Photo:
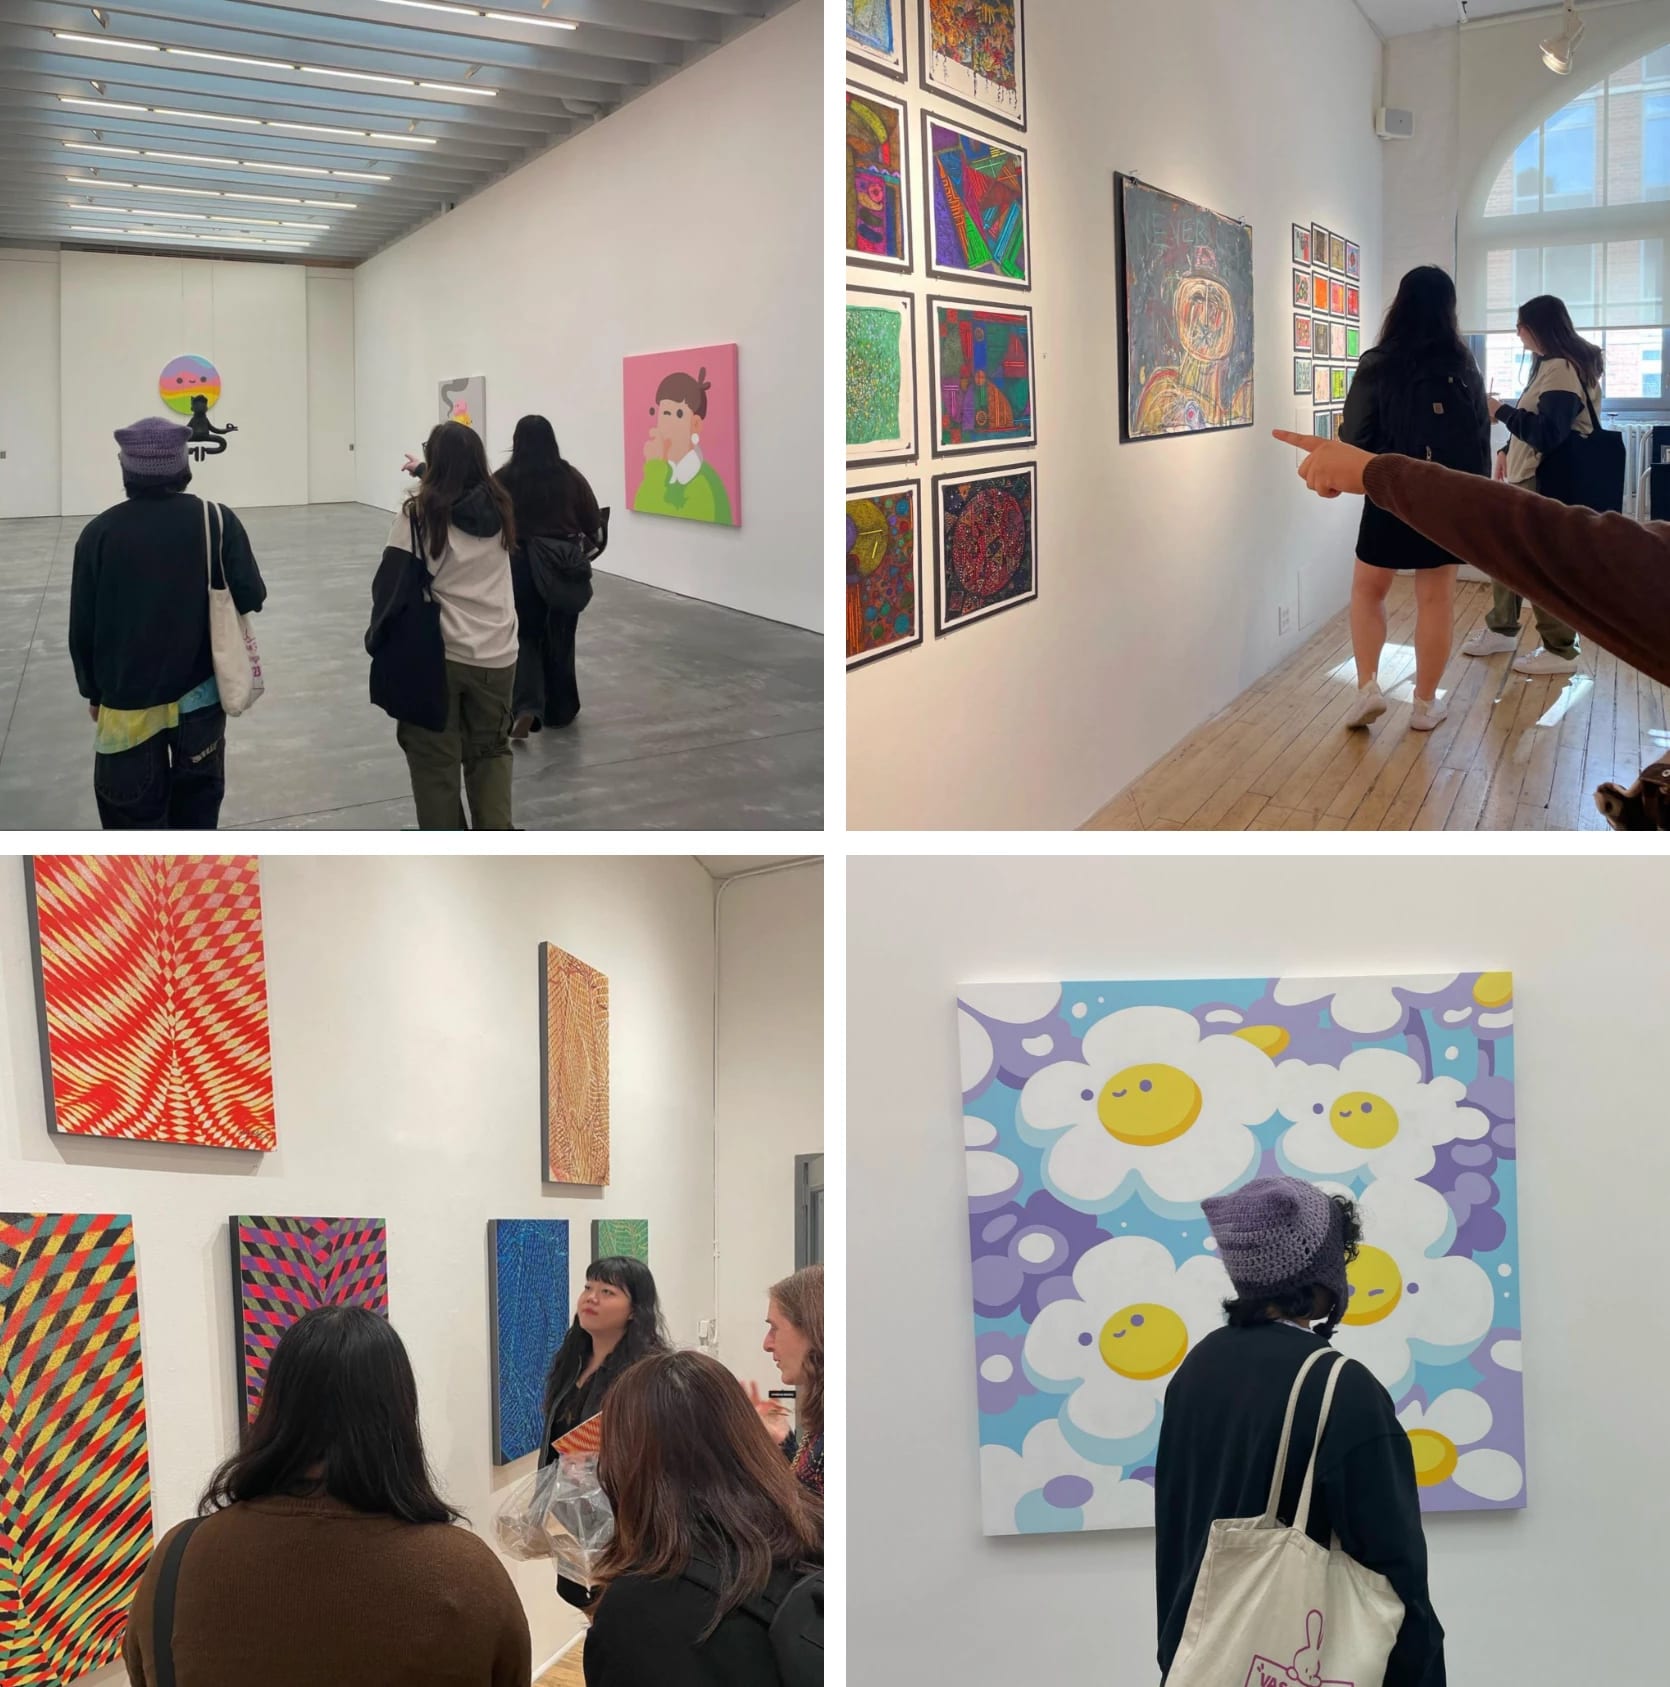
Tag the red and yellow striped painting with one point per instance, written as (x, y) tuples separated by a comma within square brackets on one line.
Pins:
[(153, 985)]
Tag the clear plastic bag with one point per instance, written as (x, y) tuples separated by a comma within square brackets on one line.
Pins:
[(560, 1513)]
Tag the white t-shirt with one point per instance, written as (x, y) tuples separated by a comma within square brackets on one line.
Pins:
[(471, 582)]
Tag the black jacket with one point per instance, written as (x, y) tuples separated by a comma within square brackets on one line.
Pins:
[(139, 600), (1223, 1418), (645, 1632)]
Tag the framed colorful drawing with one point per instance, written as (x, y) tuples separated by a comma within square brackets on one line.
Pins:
[(1186, 315), (876, 36), (1339, 424), (884, 570), (1350, 376), (1301, 245), (620, 1238), (1319, 293), (683, 434), (1321, 384), (1301, 289), (974, 52), (1301, 375), (1353, 342), (983, 387), (1318, 246), (986, 531), (878, 217), (881, 376), (1338, 339), (1336, 298), (1301, 333), (1353, 260), (573, 1069), (465, 400), (979, 217), (1353, 303), (1338, 376), (1336, 253), (1323, 425), (151, 979)]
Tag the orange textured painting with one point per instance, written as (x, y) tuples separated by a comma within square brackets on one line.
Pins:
[(152, 982), (574, 1005)]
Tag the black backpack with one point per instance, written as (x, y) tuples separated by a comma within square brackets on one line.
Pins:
[(1434, 416), (408, 656), (1586, 470), (791, 1610)]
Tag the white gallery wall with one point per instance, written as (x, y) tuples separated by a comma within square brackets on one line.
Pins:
[(29, 394), (1162, 565), (770, 937), (691, 217), (404, 1010), (1594, 1160)]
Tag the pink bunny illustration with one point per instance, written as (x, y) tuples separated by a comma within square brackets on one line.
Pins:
[(1307, 1661)]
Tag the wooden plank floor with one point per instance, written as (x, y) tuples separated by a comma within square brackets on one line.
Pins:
[(568, 1671), (1515, 754)]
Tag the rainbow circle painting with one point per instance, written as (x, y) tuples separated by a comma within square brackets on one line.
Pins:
[(185, 378)]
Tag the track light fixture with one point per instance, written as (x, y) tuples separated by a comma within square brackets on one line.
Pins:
[(1558, 51)]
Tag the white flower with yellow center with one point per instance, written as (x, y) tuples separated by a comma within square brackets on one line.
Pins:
[(1113, 1350), (1048, 1488), (1408, 1302), (1371, 1113), (1152, 1099), (1364, 1005), (1438, 1433)]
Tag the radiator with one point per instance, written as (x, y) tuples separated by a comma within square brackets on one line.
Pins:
[(1638, 448)]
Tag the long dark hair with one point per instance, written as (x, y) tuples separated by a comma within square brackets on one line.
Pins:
[(454, 465), (1421, 325), (645, 1332), (550, 495), (1548, 322), (800, 1299), (339, 1416), (691, 1471)]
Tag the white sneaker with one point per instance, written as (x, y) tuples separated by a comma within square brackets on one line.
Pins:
[(1370, 705), (1427, 713), (1542, 661), (1487, 643)]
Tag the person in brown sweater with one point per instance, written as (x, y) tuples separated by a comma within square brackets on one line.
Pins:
[(1606, 575), (323, 1553)]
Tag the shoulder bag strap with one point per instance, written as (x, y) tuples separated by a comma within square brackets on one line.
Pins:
[(168, 1586), (208, 545), (1301, 1517), (1287, 1434)]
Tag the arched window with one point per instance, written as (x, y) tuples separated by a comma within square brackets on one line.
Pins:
[(1581, 208)]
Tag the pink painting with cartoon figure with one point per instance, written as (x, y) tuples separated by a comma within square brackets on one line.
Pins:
[(682, 435)]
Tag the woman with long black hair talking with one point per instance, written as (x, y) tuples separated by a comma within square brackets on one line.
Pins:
[(559, 529), (322, 1551)]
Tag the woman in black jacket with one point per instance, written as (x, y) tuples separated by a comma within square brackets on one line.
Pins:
[(552, 501), (712, 1532), (1418, 393)]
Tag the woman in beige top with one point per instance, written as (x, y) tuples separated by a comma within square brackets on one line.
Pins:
[(1565, 383)]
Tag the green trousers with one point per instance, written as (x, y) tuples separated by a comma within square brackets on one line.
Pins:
[(475, 743), (1503, 617)]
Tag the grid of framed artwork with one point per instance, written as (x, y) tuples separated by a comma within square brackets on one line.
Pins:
[(947, 374), (1327, 322)]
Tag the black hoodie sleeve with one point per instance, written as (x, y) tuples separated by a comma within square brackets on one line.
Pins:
[(243, 577), (1549, 426), (84, 591)]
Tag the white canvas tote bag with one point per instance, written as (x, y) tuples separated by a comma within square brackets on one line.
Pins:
[(1271, 1608), (232, 644)]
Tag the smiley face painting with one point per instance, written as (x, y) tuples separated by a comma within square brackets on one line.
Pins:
[(1097, 1117), (683, 450)]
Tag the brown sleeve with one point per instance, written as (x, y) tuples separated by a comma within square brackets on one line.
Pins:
[(1605, 575), (513, 1654), (139, 1620)]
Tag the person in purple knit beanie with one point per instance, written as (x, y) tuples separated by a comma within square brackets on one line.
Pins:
[(1287, 1247)]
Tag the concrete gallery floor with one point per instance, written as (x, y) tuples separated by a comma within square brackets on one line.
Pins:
[(692, 716)]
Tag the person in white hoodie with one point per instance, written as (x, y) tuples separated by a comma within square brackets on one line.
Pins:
[(460, 519)]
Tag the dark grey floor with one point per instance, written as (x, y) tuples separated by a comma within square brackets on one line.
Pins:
[(693, 717)]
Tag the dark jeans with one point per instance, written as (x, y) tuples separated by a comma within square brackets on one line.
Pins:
[(545, 684), (174, 781)]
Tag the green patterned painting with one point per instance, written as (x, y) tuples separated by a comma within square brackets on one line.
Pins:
[(874, 375), (620, 1237)]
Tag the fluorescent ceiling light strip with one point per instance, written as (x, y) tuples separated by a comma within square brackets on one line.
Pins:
[(202, 116), (361, 176), (98, 105), (325, 204), (90, 146), (356, 75), (524, 17), (436, 6), (459, 88), (191, 158), (244, 222), (262, 198), (106, 41), (287, 169), (134, 211), (95, 181), (323, 228), (317, 129), (194, 192), (403, 140), (259, 123), (229, 58)]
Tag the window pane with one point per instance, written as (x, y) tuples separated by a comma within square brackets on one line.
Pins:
[(1527, 173), (1634, 283), (1569, 146), (1572, 273), (1634, 362)]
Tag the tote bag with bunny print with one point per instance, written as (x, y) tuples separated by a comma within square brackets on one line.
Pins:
[(1272, 1608)]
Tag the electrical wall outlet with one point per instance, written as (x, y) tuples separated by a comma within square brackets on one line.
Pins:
[(708, 1333)]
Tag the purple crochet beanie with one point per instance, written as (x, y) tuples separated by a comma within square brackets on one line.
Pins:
[(1278, 1234), (153, 449)]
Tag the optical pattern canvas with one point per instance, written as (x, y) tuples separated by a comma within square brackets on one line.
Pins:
[(529, 1316), (876, 35), (151, 974), (884, 571), (978, 217), (1188, 315), (983, 382), (75, 1487), (878, 218), (574, 1068), (1098, 1116), (987, 544), (283, 1267), (974, 52), (683, 438), (626, 1238), (881, 375)]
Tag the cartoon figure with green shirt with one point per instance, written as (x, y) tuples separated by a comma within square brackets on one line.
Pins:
[(676, 479)]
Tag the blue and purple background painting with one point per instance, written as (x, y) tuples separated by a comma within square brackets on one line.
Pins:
[(528, 1261), (1097, 1117)]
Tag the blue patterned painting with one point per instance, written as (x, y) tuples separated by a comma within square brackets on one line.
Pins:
[(529, 1317), (1098, 1117)]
